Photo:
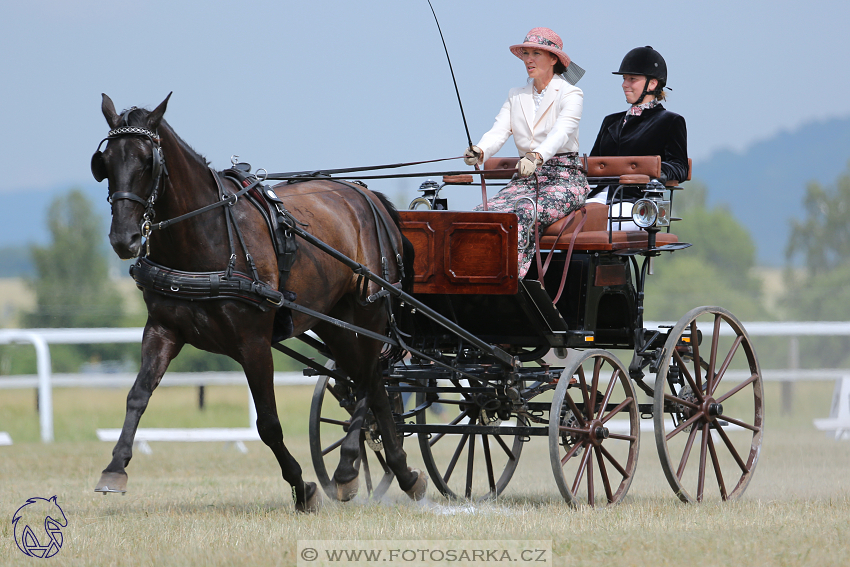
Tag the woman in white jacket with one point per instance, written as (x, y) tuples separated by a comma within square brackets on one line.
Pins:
[(543, 117)]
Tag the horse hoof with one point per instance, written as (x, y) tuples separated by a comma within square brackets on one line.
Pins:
[(348, 490), (112, 482), (417, 491), (313, 503)]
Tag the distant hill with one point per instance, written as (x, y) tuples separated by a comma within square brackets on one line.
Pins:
[(764, 186)]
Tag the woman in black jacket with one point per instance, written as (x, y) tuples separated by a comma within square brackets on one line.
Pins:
[(645, 129)]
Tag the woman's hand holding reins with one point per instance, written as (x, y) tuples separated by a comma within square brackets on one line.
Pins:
[(529, 163), (472, 155)]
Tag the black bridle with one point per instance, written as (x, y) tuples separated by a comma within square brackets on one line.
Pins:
[(158, 168)]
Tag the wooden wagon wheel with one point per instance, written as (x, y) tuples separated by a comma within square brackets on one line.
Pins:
[(466, 465), (594, 429), (698, 407), (328, 427)]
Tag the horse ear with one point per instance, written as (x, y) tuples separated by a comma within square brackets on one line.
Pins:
[(155, 117), (108, 109)]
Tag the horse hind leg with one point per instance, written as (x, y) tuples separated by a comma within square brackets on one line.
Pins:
[(412, 481), (159, 347), (346, 476)]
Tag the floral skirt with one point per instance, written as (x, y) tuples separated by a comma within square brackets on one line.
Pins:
[(560, 189)]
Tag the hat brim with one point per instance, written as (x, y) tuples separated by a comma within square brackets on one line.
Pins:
[(562, 57)]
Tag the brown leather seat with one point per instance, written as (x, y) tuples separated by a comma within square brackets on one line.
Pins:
[(597, 240)]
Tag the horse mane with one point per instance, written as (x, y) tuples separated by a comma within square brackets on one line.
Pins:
[(138, 117)]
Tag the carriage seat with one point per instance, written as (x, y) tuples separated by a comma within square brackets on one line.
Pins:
[(623, 170)]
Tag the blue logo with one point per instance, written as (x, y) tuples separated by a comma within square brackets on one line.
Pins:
[(38, 527)]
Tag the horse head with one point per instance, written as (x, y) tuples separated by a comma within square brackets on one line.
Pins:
[(134, 165)]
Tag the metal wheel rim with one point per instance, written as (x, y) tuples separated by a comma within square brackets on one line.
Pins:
[(608, 452), (714, 442)]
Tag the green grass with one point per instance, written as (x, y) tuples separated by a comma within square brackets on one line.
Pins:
[(206, 504)]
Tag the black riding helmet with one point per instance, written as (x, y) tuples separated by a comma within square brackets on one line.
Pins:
[(647, 62)]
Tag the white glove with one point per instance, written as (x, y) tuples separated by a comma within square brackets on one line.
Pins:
[(472, 155), (528, 164)]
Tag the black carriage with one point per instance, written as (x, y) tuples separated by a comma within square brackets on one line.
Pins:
[(482, 363)]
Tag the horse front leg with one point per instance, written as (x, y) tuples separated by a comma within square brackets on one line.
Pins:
[(159, 347), (259, 370)]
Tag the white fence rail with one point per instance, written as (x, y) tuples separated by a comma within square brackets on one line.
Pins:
[(45, 380)]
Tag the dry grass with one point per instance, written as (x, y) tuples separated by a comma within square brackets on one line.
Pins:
[(203, 504)]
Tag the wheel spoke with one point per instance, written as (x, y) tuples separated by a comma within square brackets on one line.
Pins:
[(695, 347), (731, 447), (585, 397), (581, 467), (686, 453), (684, 369), (455, 421), (574, 408), (620, 407), (683, 425), (621, 437), (332, 446), (383, 463), (505, 448), (685, 403), (613, 461), (726, 362), (332, 389), (365, 462), (701, 475), (590, 494), (469, 469), (737, 388), (489, 462), (716, 462), (608, 391), (712, 357), (739, 423), (594, 387), (343, 424), (450, 469), (571, 452), (603, 472)]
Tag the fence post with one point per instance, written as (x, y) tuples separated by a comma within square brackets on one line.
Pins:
[(788, 385)]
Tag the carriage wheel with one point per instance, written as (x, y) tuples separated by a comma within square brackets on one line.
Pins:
[(454, 460), (594, 429), (701, 407), (328, 427)]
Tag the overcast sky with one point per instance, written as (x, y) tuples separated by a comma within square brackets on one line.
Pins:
[(328, 83)]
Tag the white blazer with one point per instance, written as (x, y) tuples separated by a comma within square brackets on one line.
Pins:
[(553, 130)]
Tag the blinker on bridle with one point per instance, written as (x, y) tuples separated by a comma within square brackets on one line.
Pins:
[(98, 167)]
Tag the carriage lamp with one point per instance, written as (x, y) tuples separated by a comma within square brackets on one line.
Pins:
[(430, 198), (652, 209)]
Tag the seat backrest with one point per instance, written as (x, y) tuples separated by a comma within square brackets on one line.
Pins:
[(615, 166)]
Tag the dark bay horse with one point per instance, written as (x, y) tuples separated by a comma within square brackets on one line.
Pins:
[(153, 173)]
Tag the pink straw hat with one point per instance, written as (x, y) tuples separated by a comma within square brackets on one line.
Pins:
[(545, 39)]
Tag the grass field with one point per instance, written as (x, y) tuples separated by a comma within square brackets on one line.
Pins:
[(207, 504)]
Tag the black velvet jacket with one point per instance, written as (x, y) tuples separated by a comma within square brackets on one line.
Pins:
[(656, 132)]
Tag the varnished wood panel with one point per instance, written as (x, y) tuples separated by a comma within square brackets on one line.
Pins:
[(462, 252)]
